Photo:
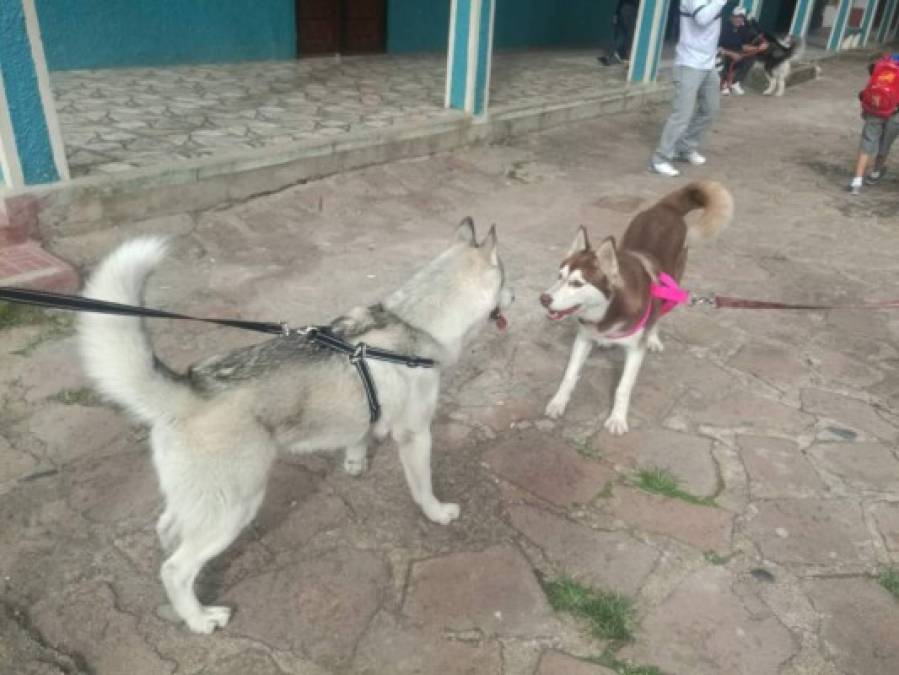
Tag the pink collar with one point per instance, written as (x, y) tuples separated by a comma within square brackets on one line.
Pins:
[(666, 290)]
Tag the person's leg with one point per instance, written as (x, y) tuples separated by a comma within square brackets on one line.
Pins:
[(872, 134), (616, 46), (708, 102), (890, 132), (727, 74), (742, 68), (686, 86), (861, 163), (620, 41), (628, 21)]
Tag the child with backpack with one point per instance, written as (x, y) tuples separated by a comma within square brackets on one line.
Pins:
[(880, 103)]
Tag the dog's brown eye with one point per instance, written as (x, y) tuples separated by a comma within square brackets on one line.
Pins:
[(576, 284)]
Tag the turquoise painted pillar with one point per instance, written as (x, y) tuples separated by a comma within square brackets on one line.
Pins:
[(868, 21), (469, 55), (886, 20), (31, 147), (649, 34), (801, 17), (753, 7), (840, 23)]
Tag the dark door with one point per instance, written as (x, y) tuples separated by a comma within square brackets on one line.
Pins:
[(341, 26), (363, 26), (318, 26)]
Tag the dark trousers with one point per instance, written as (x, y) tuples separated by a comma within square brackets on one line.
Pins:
[(624, 30)]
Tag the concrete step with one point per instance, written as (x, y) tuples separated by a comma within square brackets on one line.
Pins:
[(14, 226), (799, 73), (27, 265)]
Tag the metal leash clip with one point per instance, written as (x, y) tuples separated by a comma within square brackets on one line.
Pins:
[(305, 331), (359, 353), (702, 300)]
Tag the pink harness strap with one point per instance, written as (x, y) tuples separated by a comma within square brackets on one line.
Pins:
[(665, 290)]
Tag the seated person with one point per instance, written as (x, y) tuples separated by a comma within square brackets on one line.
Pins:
[(739, 44)]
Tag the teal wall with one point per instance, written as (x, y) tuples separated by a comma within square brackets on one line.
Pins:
[(417, 25), (108, 33), (550, 23), (422, 25)]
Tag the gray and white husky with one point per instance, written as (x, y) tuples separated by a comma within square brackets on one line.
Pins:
[(216, 428)]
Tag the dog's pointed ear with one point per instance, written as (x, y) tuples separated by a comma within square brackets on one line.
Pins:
[(465, 231), (608, 261), (488, 246), (581, 241)]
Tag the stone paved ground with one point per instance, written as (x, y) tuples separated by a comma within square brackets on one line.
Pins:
[(789, 421), (116, 120)]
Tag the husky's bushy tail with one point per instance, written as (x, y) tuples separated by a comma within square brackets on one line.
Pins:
[(797, 51), (793, 45), (115, 350), (716, 203)]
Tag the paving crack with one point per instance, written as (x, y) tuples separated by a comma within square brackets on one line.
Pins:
[(68, 662)]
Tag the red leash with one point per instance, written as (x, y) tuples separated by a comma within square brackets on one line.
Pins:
[(726, 302)]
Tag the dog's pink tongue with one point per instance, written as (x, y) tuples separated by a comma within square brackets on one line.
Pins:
[(501, 322)]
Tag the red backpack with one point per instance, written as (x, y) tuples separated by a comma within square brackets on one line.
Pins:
[(881, 97)]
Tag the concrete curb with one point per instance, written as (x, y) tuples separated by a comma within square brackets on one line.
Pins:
[(94, 203)]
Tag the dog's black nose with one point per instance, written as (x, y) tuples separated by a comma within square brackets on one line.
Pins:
[(546, 299)]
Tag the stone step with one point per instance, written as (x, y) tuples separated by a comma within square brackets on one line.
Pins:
[(27, 265), (799, 73)]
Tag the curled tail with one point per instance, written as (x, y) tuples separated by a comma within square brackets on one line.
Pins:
[(115, 350), (716, 203)]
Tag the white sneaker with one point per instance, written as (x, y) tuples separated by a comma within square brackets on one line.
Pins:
[(663, 168), (725, 91), (737, 89), (692, 157)]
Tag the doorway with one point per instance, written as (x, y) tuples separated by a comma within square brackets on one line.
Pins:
[(341, 26)]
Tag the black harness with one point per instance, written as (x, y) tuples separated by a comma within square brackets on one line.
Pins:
[(320, 335)]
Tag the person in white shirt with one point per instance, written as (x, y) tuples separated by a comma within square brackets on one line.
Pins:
[(696, 86)]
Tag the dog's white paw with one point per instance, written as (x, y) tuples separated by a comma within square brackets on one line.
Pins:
[(443, 514), (654, 344), (556, 407), (208, 619), (616, 424), (354, 466)]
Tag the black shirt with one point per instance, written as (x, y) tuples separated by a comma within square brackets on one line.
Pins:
[(733, 38)]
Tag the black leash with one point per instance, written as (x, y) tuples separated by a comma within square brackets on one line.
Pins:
[(320, 335), (77, 303)]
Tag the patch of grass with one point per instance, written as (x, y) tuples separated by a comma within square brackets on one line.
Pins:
[(608, 660), (585, 449), (84, 396), (13, 314), (663, 482), (606, 491), (53, 327), (716, 558), (610, 615), (889, 579)]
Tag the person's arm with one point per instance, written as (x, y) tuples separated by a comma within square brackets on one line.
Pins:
[(704, 12), (753, 50)]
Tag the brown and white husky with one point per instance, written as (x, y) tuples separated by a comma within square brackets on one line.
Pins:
[(608, 289)]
